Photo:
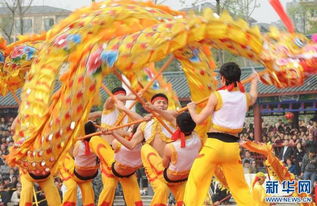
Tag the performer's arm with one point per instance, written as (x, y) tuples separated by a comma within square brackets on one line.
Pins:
[(253, 89), (206, 112), (127, 97), (167, 156), (123, 133), (131, 114), (115, 144), (110, 102), (168, 115), (136, 139), (94, 115), (75, 149)]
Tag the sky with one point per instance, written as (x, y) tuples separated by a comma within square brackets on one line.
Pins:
[(263, 14)]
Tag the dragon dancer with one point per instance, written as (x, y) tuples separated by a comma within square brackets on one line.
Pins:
[(46, 183), (119, 166), (125, 163), (80, 171), (180, 154), (227, 108)]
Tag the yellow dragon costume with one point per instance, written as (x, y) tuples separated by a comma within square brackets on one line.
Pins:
[(127, 36)]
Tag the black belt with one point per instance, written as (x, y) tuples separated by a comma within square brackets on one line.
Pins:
[(119, 175), (172, 181), (85, 178), (39, 177), (223, 137)]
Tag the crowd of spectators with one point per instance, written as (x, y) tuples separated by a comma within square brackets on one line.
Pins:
[(295, 146), (292, 144), (9, 177)]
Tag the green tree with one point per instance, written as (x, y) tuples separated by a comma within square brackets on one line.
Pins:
[(304, 16)]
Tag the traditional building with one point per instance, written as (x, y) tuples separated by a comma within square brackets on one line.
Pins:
[(35, 19)]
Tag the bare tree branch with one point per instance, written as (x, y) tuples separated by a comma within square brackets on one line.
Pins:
[(254, 7), (26, 8), (17, 9)]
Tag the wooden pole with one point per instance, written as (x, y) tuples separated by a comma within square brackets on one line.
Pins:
[(16, 98), (108, 91), (147, 86), (166, 64), (35, 197), (113, 128), (143, 102), (224, 199)]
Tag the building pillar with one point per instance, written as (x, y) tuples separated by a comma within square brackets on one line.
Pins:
[(257, 122)]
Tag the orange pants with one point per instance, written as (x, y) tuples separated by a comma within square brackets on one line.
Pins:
[(47, 185), (71, 181), (216, 153), (152, 163), (70, 196)]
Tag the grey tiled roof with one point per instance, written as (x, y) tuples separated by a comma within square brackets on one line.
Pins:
[(9, 99), (37, 10), (179, 82)]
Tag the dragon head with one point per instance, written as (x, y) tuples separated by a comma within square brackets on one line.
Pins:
[(289, 57), (16, 60)]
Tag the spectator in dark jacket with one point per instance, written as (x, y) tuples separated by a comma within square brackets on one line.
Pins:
[(310, 143), (286, 151), (309, 165), (291, 166), (5, 196)]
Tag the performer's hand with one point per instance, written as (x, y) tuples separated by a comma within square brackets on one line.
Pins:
[(255, 77), (120, 105), (106, 132), (216, 203), (140, 93), (148, 117), (131, 96), (191, 106), (149, 107)]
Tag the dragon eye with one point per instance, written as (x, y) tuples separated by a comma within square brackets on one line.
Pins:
[(299, 42)]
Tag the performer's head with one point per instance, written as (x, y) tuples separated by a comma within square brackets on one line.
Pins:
[(119, 91), (311, 152), (160, 100), (230, 73), (185, 123), (135, 128), (89, 129)]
